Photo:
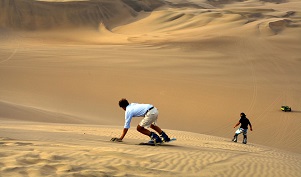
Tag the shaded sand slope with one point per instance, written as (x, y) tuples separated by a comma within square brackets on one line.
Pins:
[(201, 67), (46, 15), (69, 150)]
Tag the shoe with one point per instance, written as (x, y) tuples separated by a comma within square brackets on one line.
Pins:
[(155, 138), (164, 137)]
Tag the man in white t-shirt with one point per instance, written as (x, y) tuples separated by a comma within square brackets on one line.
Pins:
[(150, 114)]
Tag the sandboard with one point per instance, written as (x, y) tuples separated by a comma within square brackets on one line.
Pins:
[(157, 144)]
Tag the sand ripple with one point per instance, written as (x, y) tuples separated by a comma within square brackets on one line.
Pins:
[(76, 154)]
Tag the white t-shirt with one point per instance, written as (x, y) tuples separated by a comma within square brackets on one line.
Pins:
[(135, 110)]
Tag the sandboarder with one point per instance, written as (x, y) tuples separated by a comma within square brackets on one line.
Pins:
[(150, 114), (244, 121)]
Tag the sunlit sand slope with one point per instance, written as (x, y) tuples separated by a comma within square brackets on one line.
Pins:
[(69, 150)]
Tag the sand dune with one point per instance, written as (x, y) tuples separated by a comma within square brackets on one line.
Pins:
[(49, 15), (64, 65), (69, 150)]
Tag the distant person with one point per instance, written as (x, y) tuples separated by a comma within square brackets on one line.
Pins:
[(150, 114), (244, 121)]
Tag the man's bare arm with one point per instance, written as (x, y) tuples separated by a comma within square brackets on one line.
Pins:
[(125, 130), (236, 124)]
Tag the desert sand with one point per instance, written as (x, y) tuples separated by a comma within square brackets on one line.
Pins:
[(65, 64)]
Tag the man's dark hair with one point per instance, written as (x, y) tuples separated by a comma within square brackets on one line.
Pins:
[(123, 103)]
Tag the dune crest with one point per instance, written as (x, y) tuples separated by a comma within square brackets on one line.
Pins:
[(48, 15)]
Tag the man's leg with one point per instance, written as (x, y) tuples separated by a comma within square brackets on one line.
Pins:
[(238, 131), (143, 130), (152, 135), (235, 138), (245, 137), (162, 134), (149, 121), (156, 128)]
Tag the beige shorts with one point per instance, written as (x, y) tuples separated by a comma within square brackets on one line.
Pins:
[(150, 118)]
